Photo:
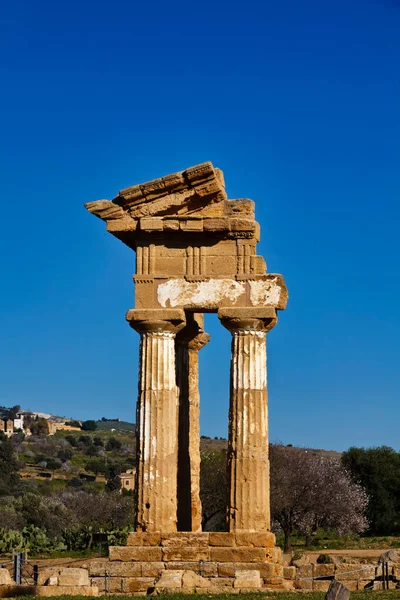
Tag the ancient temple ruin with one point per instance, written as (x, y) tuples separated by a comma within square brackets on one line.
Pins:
[(196, 253)]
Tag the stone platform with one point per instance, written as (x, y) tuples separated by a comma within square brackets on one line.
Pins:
[(207, 562)]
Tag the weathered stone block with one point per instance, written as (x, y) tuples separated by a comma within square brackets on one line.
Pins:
[(247, 579), (5, 577), (138, 553), (220, 265), (245, 554), (99, 582), (114, 569), (185, 554), (191, 225), (305, 571), (181, 565), (347, 572), (63, 590), (170, 579), (223, 538), (171, 225), (168, 267), (226, 582), (258, 265), (321, 585), (242, 225), (184, 539), (73, 576), (289, 572), (137, 584), (323, 570), (269, 581), (191, 580), (44, 574), (216, 224), (303, 584), (274, 555), (151, 224), (226, 569), (143, 538), (255, 539), (152, 569), (208, 569)]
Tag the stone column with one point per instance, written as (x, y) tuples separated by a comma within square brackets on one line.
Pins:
[(157, 419), (189, 342), (248, 464)]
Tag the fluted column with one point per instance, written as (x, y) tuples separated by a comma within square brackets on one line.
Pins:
[(189, 342), (156, 420), (248, 464)]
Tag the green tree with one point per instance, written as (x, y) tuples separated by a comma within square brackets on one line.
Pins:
[(378, 471), (113, 479), (40, 427), (12, 412), (9, 475), (89, 425), (96, 466), (113, 444), (213, 489)]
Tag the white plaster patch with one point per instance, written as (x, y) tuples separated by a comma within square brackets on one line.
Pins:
[(208, 294), (265, 293)]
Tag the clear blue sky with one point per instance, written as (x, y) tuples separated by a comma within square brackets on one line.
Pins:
[(298, 102)]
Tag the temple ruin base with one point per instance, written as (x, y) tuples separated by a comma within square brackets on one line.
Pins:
[(211, 562)]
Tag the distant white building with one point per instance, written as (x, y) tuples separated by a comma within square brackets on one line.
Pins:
[(19, 422)]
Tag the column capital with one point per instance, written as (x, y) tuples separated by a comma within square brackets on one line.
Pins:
[(156, 320), (193, 333), (248, 319)]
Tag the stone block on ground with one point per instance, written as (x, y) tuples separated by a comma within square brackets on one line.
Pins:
[(45, 573), (5, 577), (389, 556), (247, 579), (73, 576), (170, 579), (289, 572), (137, 584), (324, 570), (190, 580), (303, 584), (65, 590), (300, 561), (337, 591), (321, 585), (305, 571), (226, 582)]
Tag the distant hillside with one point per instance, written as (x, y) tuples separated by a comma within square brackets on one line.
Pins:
[(115, 426)]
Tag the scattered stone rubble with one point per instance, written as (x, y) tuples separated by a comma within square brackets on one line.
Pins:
[(52, 581)]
